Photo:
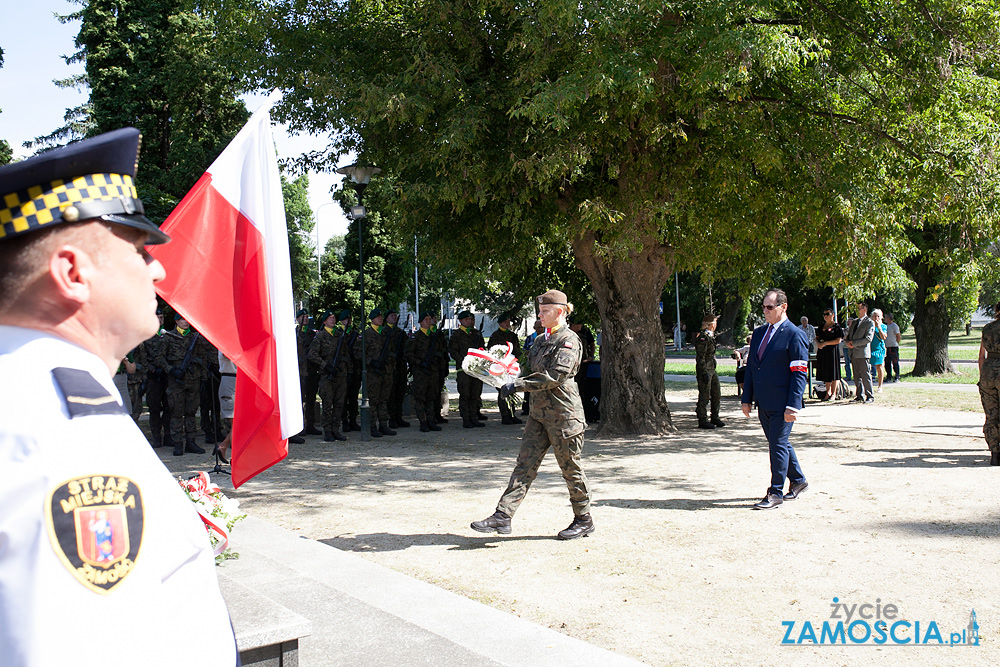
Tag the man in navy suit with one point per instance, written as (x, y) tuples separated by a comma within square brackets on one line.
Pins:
[(776, 379)]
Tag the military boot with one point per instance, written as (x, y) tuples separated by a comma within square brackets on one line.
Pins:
[(582, 526), (424, 428), (311, 429), (385, 430), (393, 423), (441, 420), (402, 423), (191, 448), (178, 449), (498, 522), (432, 426), (467, 423), (477, 423), (375, 433), (355, 426)]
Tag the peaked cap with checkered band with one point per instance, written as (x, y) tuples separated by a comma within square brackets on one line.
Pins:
[(87, 180)]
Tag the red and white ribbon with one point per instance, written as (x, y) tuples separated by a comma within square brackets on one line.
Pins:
[(505, 365), (201, 488)]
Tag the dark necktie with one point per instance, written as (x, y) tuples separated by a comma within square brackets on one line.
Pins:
[(763, 343)]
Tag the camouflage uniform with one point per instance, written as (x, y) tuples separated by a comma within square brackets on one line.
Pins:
[(556, 420), (183, 386), (137, 380), (397, 388), (156, 392), (989, 385), (333, 378), (444, 367), (211, 421), (380, 363), (470, 390), (309, 375), (420, 353), (708, 379), (500, 337), (349, 415)]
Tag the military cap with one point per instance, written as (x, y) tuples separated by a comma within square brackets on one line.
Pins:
[(465, 313), (325, 316), (390, 311), (375, 313), (553, 296), (89, 179), (428, 313), (345, 314), (503, 317), (302, 311)]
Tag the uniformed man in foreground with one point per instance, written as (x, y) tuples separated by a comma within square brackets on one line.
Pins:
[(556, 421), (90, 521)]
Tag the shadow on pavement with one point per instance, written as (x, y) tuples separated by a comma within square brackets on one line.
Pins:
[(926, 458), (379, 542), (691, 504)]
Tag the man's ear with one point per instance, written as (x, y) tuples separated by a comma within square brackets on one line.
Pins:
[(70, 268)]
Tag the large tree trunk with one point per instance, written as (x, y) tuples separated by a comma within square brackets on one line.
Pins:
[(727, 320), (632, 353), (931, 322)]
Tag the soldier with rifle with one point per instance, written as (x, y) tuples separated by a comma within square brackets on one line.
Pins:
[(470, 390), (397, 391), (349, 415), (329, 352), (420, 353), (380, 368), (181, 355)]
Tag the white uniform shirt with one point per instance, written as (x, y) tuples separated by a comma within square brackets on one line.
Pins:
[(99, 546)]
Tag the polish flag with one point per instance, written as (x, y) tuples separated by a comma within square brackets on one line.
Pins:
[(228, 273)]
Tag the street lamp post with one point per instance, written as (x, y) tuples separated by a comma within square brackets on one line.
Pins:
[(360, 175)]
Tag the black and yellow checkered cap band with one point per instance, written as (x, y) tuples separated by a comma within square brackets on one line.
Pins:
[(58, 201)]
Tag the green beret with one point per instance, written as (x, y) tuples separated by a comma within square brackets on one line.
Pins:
[(375, 313), (465, 313), (345, 314)]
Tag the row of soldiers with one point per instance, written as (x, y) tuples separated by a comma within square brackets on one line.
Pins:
[(178, 372), (330, 365)]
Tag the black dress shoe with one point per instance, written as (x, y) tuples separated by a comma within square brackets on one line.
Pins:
[(582, 526), (296, 439), (995, 458), (718, 422), (707, 425), (771, 500), (482, 417), (796, 489), (498, 522), (216, 453), (191, 448)]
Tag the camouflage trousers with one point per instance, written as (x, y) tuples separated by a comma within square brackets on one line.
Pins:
[(426, 394), (397, 391), (567, 445), (135, 392), (332, 393), (350, 412), (708, 391), (470, 396), (379, 387), (989, 392), (184, 397)]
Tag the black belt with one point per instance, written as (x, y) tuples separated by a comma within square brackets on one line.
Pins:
[(228, 375)]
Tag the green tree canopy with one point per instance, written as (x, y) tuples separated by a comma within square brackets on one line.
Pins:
[(647, 136)]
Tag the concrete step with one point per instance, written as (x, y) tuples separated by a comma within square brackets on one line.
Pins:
[(361, 613)]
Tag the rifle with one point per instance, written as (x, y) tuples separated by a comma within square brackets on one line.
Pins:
[(336, 357), (430, 348), (186, 362), (380, 363)]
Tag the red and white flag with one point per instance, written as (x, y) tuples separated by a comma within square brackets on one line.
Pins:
[(229, 274)]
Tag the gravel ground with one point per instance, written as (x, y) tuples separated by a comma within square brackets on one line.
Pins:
[(680, 571)]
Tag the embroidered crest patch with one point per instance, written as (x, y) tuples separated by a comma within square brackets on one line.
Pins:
[(95, 525)]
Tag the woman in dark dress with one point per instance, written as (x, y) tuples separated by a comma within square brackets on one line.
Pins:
[(828, 354)]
